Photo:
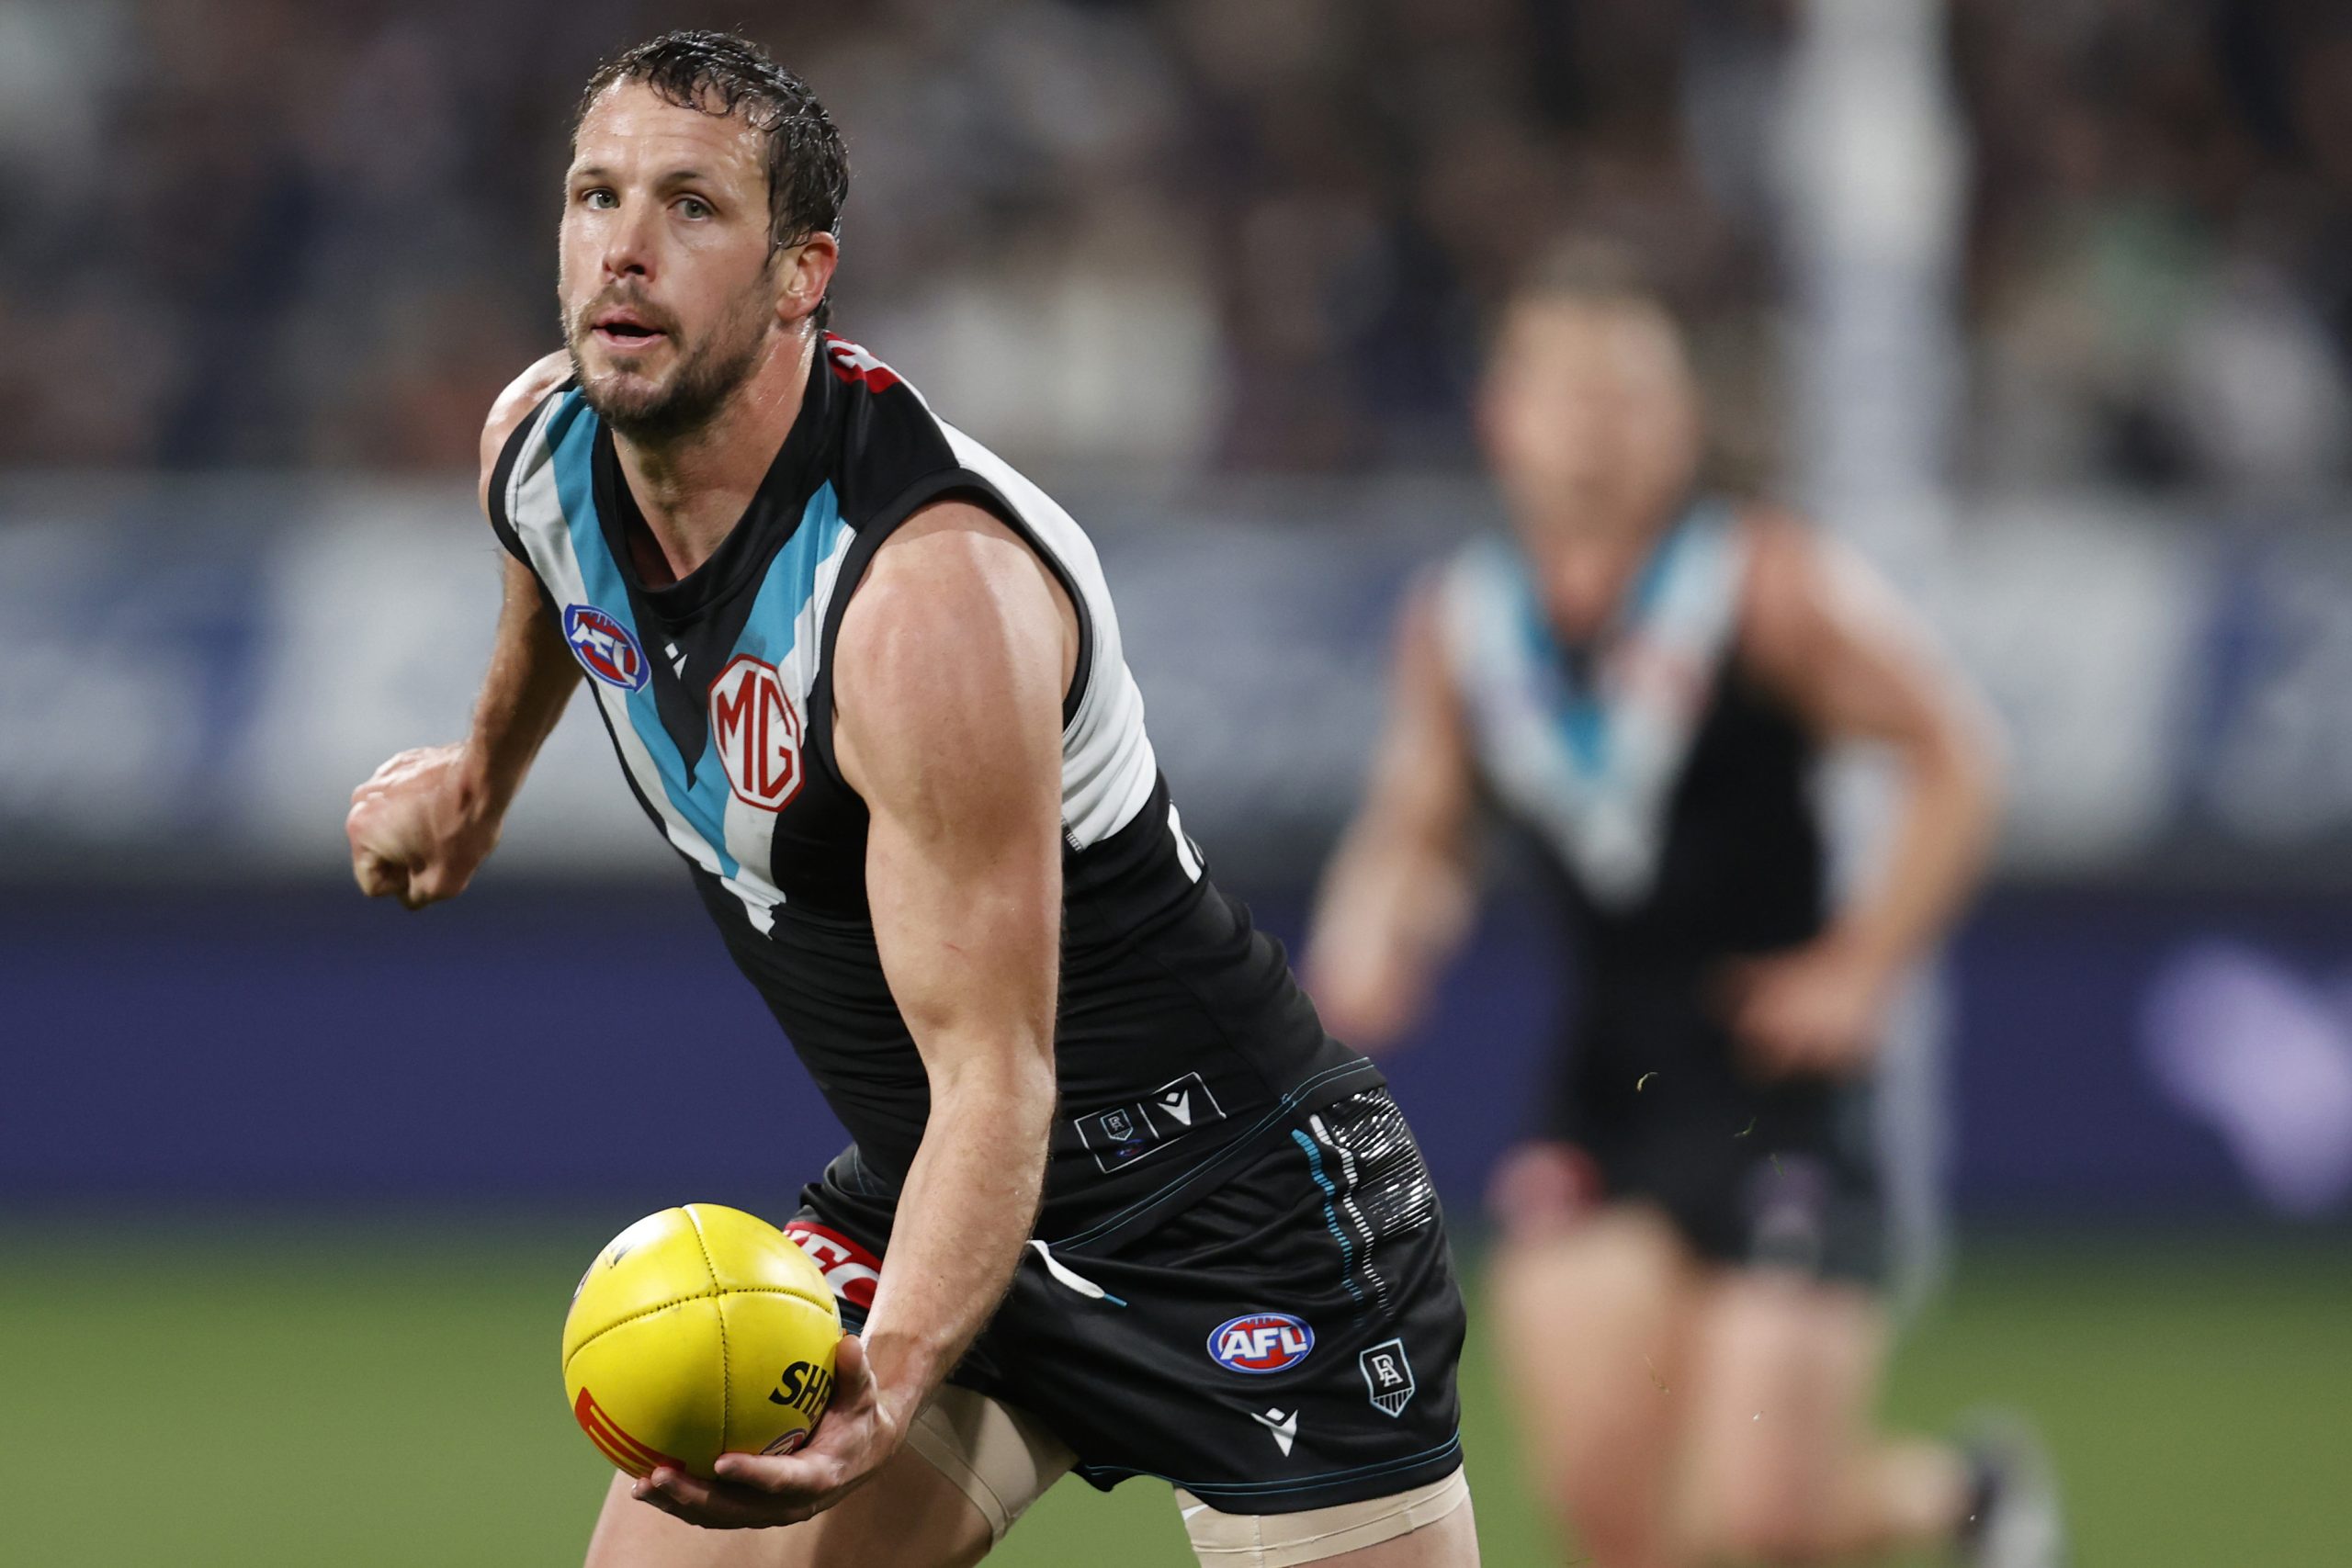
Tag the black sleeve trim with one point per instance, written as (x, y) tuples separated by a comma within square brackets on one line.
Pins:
[(502, 474), (943, 485)]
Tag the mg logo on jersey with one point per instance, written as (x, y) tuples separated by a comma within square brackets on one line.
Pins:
[(603, 647), (757, 732), (1262, 1342)]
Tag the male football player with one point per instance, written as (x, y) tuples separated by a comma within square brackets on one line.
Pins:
[(1641, 679), (1117, 1202)]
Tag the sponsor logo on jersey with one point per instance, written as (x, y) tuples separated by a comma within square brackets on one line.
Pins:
[(852, 364), (850, 1271), (757, 731), (1262, 1342), (1125, 1134), (605, 647), (1387, 1377)]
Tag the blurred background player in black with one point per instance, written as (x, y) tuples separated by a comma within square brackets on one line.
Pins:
[(1641, 682)]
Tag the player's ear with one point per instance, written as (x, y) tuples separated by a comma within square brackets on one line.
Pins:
[(803, 273)]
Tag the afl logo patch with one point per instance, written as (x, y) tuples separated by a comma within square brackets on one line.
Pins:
[(605, 647), (757, 731), (1262, 1342)]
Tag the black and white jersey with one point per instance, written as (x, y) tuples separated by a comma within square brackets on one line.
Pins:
[(1672, 796), (1180, 1027)]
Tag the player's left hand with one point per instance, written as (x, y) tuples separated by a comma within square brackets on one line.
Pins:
[(1820, 1009), (758, 1491)]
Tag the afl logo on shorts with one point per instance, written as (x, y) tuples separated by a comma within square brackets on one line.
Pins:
[(1262, 1342), (757, 732), (603, 647)]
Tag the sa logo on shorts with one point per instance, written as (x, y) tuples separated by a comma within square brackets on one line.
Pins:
[(757, 731), (605, 647), (1262, 1342)]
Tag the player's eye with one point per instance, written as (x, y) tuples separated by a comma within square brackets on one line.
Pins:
[(694, 207), (599, 199)]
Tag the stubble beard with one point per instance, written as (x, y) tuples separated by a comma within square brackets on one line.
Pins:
[(653, 412)]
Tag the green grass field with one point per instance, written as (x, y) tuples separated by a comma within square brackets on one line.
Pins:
[(257, 1396)]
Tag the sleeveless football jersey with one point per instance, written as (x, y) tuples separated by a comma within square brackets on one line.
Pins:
[(1672, 797), (1180, 1034)]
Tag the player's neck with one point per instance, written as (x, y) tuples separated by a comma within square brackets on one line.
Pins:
[(692, 491), (1588, 567)]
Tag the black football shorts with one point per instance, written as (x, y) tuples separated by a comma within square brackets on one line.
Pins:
[(1285, 1341)]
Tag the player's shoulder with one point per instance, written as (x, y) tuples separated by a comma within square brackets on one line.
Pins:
[(1804, 592), (514, 406), (1451, 604), (953, 567), (890, 449), (1785, 565)]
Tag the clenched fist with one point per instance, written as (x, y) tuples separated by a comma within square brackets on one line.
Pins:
[(419, 827), (1820, 1009)]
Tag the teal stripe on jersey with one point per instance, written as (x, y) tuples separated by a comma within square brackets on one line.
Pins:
[(771, 631), (571, 440)]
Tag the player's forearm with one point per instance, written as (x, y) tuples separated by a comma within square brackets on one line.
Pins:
[(1393, 910), (530, 679), (967, 1209), (1942, 839)]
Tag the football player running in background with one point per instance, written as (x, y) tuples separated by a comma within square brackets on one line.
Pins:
[(1642, 680)]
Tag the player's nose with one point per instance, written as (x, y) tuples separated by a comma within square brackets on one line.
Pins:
[(629, 243)]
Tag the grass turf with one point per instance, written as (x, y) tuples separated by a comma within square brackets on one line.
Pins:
[(388, 1395)]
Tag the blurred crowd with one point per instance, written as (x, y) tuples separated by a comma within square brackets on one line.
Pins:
[(1227, 234)]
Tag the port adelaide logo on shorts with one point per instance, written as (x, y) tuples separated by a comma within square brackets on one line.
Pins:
[(1262, 1342), (1388, 1376), (605, 647)]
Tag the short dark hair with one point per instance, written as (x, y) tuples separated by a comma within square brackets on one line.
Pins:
[(725, 73), (1590, 270)]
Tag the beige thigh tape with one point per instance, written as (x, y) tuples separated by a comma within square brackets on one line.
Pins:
[(1281, 1540), (999, 1457)]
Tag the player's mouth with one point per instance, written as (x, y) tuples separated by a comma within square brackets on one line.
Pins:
[(626, 331)]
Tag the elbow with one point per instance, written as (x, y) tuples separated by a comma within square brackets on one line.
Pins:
[(1006, 1097), (1964, 750), (1979, 760)]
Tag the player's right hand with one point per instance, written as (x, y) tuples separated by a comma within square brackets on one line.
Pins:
[(416, 830), (853, 1439)]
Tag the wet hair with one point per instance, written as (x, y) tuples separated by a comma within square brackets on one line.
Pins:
[(722, 75)]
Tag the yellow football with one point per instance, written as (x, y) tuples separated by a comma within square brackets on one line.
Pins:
[(696, 1332)]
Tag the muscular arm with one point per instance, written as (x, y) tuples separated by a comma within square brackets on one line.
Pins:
[(1857, 664), (949, 672), (425, 820), (1397, 896)]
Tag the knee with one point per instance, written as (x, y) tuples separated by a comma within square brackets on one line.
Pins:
[(1764, 1519), (1615, 1517)]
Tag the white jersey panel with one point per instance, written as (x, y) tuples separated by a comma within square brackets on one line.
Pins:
[(1108, 767)]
